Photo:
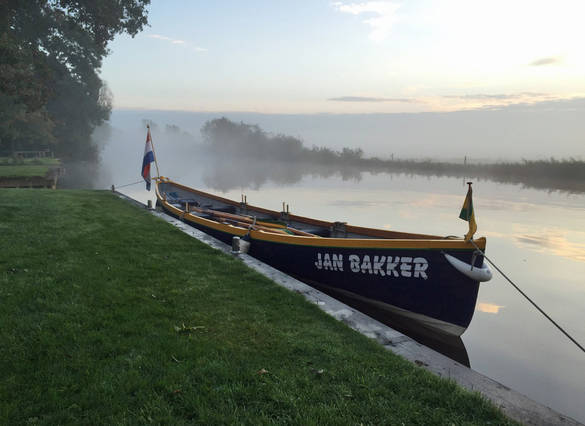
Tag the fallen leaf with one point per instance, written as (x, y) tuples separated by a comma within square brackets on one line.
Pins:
[(185, 329), (263, 371)]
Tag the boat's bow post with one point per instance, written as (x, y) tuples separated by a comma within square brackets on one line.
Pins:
[(474, 257), (482, 273)]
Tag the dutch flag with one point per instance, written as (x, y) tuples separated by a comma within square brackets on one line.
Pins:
[(148, 158)]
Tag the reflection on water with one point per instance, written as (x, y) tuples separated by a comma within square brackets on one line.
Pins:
[(489, 308), (536, 237), (221, 175), (224, 174), (556, 242), (353, 203)]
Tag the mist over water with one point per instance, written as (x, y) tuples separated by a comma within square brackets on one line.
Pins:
[(232, 154), (223, 162), (529, 131)]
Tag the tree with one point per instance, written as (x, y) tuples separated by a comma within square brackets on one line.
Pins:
[(23, 96), (50, 55)]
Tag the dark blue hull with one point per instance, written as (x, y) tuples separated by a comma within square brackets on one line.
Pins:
[(417, 283)]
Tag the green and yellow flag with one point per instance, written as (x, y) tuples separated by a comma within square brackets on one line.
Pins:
[(468, 215)]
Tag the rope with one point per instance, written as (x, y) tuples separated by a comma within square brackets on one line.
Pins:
[(528, 298), (128, 184)]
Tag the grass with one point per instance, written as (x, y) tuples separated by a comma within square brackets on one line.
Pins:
[(30, 167), (111, 316), (23, 171)]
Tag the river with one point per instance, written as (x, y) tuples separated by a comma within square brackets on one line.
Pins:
[(536, 237)]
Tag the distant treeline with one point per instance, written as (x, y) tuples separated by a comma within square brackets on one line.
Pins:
[(226, 138), (566, 175)]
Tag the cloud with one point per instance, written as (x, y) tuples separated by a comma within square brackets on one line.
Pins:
[(491, 101), (369, 99), (159, 37), (384, 15), (497, 97), (554, 241), (545, 61), (177, 42)]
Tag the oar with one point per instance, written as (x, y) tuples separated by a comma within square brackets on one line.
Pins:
[(247, 221), (262, 228), (276, 230)]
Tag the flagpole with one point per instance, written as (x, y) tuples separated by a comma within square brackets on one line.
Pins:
[(153, 152), (467, 214)]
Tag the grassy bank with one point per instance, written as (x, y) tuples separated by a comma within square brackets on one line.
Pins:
[(10, 167), (111, 316)]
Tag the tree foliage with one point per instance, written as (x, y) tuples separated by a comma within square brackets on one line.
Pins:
[(226, 138), (51, 51)]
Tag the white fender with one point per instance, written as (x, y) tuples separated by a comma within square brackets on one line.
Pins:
[(480, 274)]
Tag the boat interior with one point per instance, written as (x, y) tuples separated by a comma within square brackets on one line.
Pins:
[(241, 214)]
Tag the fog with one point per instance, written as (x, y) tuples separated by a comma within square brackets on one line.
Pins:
[(284, 148), (232, 155), (541, 130)]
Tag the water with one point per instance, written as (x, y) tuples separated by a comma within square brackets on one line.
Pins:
[(536, 237)]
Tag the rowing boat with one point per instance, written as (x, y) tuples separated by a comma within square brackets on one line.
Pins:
[(430, 280)]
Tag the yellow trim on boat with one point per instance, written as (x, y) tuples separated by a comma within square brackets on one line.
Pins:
[(366, 242), (451, 244)]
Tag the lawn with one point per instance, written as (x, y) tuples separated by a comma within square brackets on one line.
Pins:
[(10, 167), (111, 316)]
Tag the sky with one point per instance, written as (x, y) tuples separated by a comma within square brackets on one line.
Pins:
[(321, 56)]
